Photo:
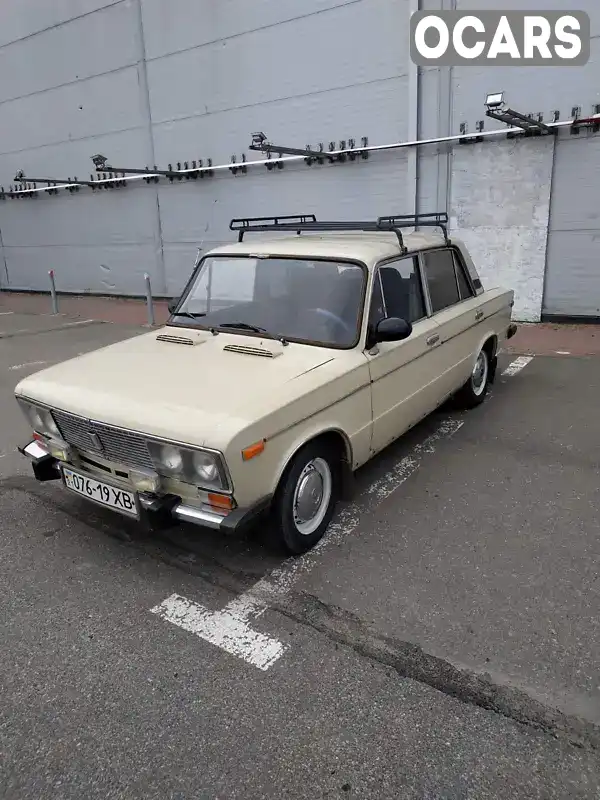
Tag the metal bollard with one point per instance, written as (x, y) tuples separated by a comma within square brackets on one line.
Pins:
[(53, 292), (149, 303)]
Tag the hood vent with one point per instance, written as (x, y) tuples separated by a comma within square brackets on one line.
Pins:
[(168, 337), (251, 351)]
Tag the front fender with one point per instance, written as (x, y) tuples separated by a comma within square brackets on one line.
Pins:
[(350, 418), (308, 436)]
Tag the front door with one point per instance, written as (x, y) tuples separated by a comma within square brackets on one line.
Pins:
[(404, 375)]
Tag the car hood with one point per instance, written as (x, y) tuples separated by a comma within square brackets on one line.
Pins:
[(179, 383)]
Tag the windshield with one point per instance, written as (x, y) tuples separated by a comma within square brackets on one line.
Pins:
[(317, 301)]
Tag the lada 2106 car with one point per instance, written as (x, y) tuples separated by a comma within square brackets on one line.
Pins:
[(292, 357)]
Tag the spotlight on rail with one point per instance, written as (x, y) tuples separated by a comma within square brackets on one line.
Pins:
[(495, 100), (99, 161), (258, 139)]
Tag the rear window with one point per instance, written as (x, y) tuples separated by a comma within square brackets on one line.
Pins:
[(441, 279), (461, 276)]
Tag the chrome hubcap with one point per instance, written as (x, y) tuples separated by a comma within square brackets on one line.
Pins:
[(480, 373), (312, 496)]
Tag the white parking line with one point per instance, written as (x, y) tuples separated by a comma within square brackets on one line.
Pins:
[(62, 327), (282, 579), (28, 364), (6, 313), (517, 365), (230, 628)]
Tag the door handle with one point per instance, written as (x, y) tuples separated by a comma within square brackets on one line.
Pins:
[(479, 314), (433, 340)]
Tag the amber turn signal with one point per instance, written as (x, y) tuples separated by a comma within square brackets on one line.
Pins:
[(220, 500), (254, 450)]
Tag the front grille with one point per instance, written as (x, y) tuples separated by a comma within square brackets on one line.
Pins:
[(114, 444)]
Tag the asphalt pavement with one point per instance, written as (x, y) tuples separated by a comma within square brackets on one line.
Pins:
[(442, 641)]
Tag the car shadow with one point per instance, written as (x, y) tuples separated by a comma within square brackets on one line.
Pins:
[(243, 560), (233, 562)]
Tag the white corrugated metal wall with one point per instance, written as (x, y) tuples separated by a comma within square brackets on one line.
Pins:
[(156, 82), (573, 273)]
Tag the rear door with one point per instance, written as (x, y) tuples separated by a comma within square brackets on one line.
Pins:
[(456, 309), (403, 374)]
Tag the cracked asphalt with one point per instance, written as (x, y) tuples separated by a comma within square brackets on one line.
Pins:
[(446, 647)]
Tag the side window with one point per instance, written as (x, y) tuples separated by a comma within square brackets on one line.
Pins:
[(463, 284), (441, 279), (402, 291)]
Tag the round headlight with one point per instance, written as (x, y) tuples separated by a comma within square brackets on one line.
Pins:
[(206, 467), (171, 458)]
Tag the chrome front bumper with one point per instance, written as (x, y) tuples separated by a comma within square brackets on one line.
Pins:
[(185, 513), (158, 512)]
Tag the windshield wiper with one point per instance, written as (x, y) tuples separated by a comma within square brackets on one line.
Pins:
[(194, 315), (190, 314), (245, 326)]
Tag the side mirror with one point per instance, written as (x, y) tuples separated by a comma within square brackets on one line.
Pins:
[(173, 305), (392, 329)]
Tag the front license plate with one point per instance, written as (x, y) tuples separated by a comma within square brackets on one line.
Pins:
[(102, 493)]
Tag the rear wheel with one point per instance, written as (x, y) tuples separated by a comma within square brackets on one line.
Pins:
[(306, 498), (475, 389)]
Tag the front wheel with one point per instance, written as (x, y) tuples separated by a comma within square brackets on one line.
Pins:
[(306, 498), (473, 392)]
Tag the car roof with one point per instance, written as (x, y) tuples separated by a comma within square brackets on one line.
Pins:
[(359, 246)]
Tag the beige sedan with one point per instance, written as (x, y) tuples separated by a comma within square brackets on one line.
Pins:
[(291, 358)]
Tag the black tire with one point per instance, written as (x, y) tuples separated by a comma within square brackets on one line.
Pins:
[(474, 390), (319, 457)]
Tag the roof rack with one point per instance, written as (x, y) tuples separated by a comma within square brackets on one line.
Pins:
[(436, 220), (308, 222), (244, 224)]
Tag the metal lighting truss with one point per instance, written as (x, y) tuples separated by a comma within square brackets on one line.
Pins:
[(112, 177)]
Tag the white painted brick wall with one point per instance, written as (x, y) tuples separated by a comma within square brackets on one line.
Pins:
[(500, 208)]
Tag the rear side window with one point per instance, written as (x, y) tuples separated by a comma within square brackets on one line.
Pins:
[(441, 279)]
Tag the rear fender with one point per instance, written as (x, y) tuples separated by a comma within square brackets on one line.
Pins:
[(490, 334)]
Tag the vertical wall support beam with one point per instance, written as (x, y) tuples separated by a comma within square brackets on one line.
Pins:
[(412, 134), (142, 71), (555, 145), (4, 282)]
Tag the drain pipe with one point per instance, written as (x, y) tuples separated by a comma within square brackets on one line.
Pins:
[(412, 167), (445, 119)]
